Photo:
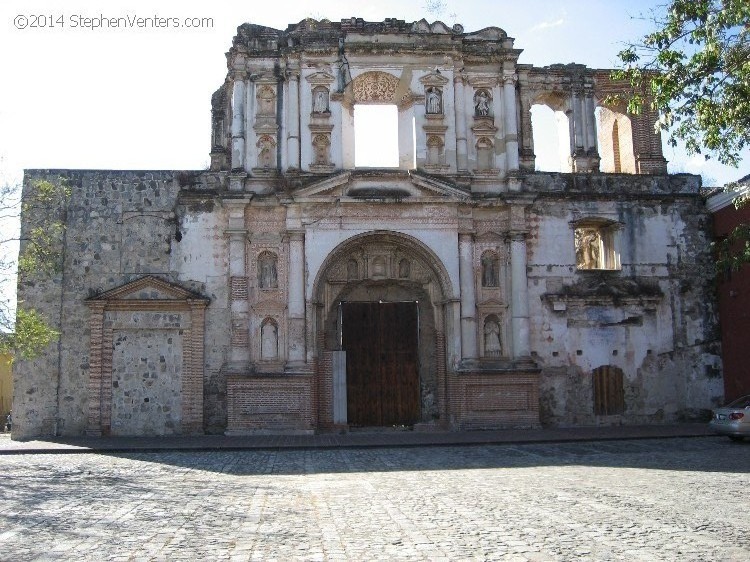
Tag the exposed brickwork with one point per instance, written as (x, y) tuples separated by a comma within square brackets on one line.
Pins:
[(325, 386), (238, 288), (270, 403), (481, 400)]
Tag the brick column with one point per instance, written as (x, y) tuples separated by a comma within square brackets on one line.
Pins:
[(96, 321)]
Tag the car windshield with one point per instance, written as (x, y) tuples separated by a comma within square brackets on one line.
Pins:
[(743, 402)]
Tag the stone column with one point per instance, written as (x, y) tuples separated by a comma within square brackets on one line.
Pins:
[(468, 296), (578, 140), (462, 154), (296, 299), (238, 286), (527, 160), (292, 117), (519, 296), (589, 109), (238, 121), (511, 121)]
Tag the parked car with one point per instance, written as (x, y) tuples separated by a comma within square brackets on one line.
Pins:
[(733, 419)]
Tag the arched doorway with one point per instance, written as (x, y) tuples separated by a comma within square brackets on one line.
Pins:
[(380, 298)]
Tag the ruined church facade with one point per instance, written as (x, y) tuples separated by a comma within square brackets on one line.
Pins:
[(285, 289)]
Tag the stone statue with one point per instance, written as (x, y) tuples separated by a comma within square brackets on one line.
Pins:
[(481, 104), (489, 271), (352, 270), (269, 341), (268, 278), (433, 101), (587, 252), (404, 268), (491, 337), (320, 102)]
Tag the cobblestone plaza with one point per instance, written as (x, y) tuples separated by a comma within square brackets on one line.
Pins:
[(662, 499)]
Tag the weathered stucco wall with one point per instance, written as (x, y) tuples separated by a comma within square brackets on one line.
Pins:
[(654, 318), (120, 225)]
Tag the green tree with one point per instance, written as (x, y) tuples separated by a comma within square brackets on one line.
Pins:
[(24, 331), (694, 69)]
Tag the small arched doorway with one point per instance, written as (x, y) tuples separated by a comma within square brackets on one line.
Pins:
[(380, 299)]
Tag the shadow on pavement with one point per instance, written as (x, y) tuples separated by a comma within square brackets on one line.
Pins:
[(706, 454)]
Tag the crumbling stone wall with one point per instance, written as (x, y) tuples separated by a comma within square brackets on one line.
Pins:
[(120, 226), (654, 317)]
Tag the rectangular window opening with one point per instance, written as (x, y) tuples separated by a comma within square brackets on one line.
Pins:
[(376, 136)]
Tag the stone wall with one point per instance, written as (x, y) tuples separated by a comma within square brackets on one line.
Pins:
[(654, 317), (120, 226)]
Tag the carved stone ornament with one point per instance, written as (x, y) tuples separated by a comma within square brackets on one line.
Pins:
[(375, 86)]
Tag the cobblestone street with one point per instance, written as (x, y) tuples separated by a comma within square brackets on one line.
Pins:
[(666, 499)]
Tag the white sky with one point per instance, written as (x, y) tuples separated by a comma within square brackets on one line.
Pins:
[(140, 99)]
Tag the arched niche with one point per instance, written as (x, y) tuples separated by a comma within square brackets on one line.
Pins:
[(388, 267)]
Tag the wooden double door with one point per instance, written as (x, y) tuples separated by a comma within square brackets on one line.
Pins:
[(382, 371)]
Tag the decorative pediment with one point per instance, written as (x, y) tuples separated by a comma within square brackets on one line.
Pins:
[(492, 237), (321, 79), (148, 288), (484, 81), (492, 305), (434, 79), (352, 186)]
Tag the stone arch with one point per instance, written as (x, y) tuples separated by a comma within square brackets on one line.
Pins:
[(382, 258), (353, 249)]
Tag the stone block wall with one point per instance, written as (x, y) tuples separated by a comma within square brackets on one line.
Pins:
[(120, 226)]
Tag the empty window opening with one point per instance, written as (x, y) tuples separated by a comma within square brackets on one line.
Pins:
[(376, 136), (551, 134), (615, 138)]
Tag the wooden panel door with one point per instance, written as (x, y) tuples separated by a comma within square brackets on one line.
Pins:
[(382, 376)]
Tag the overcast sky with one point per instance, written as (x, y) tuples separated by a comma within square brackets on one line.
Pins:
[(131, 98)]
